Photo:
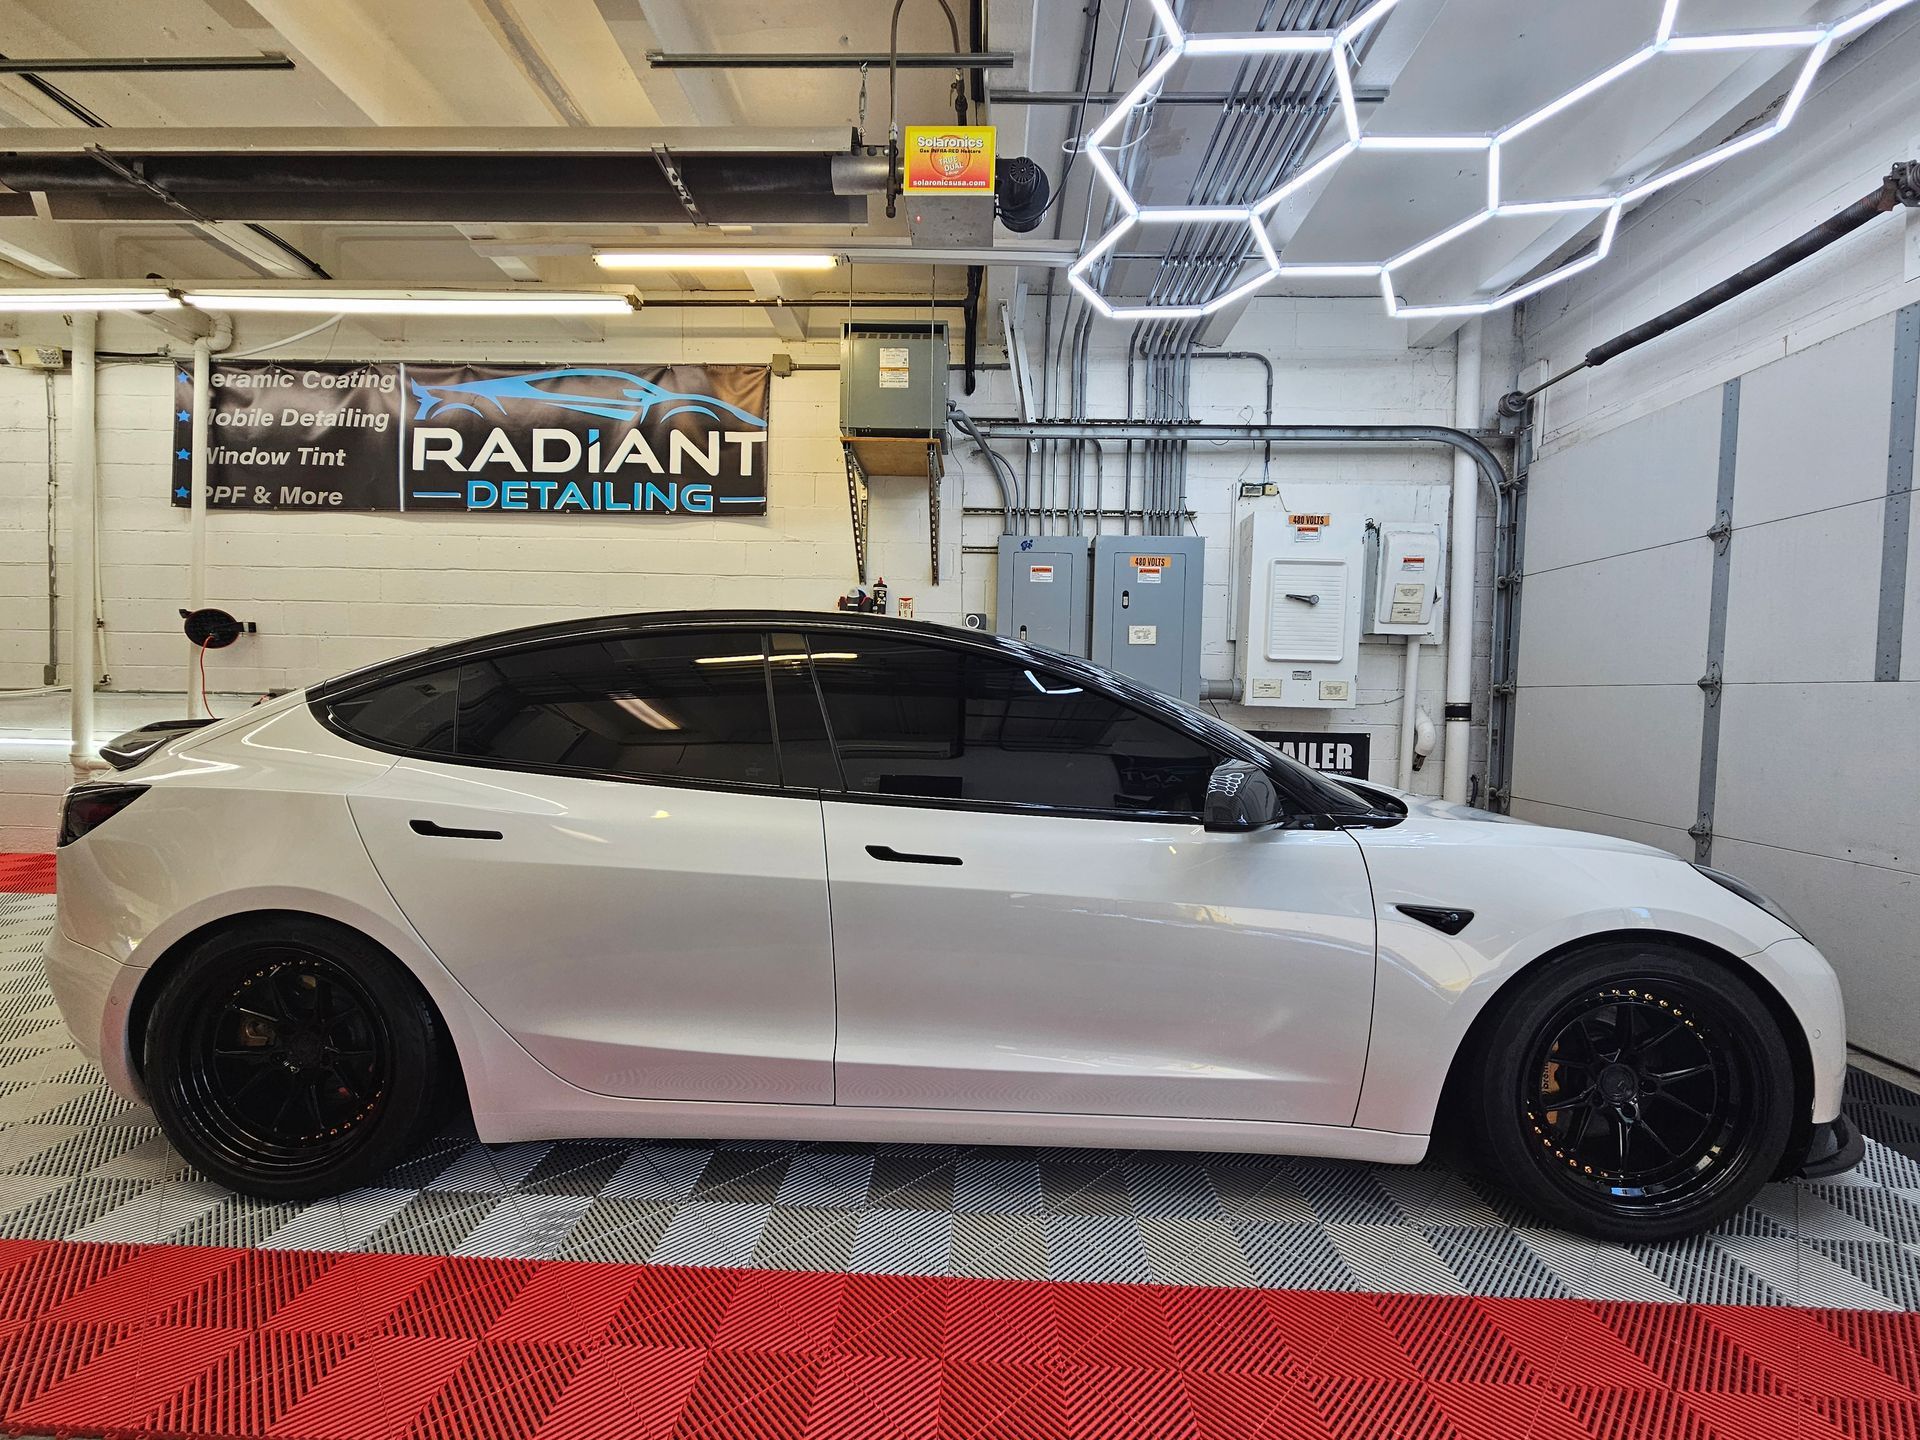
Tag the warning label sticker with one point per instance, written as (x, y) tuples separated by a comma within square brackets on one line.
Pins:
[(1040, 574)]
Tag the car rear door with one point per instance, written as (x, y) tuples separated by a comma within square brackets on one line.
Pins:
[(1028, 915), (594, 836)]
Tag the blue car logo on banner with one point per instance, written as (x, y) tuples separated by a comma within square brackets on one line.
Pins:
[(633, 399)]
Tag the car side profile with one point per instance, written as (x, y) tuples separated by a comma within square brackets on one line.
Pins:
[(838, 877)]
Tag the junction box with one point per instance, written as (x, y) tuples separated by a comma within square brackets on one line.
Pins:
[(1147, 596), (1043, 591), (893, 378), (1403, 578), (1300, 602)]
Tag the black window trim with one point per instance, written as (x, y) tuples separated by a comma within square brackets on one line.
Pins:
[(1217, 735)]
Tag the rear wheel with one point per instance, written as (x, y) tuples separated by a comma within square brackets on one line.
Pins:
[(1636, 1092), (294, 1059)]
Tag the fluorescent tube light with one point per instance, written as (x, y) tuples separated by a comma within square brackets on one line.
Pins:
[(714, 260), (413, 302), (17, 299)]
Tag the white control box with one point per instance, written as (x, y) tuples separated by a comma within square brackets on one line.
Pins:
[(1300, 602), (1403, 578)]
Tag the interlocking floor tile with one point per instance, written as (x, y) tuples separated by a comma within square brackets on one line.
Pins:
[(76, 1160)]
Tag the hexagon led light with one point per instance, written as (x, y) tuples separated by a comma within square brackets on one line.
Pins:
[(1816, 41)]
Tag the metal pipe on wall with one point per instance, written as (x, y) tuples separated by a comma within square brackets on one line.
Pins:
[(197, 503), (1463, 532), (1409, 709), (218, 339), (82, 615)]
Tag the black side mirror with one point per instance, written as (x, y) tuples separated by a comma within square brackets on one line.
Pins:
[(1241, 796)]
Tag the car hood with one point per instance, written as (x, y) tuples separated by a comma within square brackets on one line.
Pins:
[(1431, 815)]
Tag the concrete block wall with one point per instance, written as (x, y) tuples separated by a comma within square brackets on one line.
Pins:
[(333, 591)]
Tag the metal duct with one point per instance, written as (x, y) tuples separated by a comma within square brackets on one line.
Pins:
[(614, 176)]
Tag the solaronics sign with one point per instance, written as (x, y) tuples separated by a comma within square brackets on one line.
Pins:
[(948, 160), (481, 439)]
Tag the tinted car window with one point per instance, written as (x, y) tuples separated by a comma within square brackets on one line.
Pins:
[(913, 719), (414, 714), (806, 755), (677, 705)]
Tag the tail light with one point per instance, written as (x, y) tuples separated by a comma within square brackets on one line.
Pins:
[(90, 806)]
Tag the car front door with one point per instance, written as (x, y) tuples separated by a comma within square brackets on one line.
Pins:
[(1028, 915), (594, 837)]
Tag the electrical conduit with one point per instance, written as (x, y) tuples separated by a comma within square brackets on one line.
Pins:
[(1464, 529), (84, 584)]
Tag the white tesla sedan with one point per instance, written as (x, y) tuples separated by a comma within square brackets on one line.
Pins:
[(834, 877)]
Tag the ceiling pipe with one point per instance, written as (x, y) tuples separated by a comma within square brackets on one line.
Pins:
[(93, 122), (1213, 99), (829, 60), (143, 64), (1900, 187)]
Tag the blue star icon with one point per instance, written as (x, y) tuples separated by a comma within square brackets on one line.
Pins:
[(183, 454), (184, 415), (181, 493), (184, 378)]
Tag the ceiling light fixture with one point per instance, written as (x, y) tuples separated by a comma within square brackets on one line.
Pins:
[(1817, 42), (20, 300), (530, 302), (714, 260)]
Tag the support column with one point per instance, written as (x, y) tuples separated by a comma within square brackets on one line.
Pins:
[(84, 576)]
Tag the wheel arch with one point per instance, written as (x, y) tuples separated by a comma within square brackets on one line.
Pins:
[(169, 961), (1465, 1060)]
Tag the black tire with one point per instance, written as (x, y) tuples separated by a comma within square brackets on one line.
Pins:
[(293, 1058), (1676, 1085)]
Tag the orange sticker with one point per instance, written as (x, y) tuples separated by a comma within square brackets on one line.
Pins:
[(948, 160)]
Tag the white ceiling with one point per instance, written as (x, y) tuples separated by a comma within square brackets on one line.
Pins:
[(1460, 66)]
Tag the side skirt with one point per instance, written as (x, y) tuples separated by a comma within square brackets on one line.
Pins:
[(679, 1119)]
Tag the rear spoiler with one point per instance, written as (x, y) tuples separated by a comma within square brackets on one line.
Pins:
[(123, 752)]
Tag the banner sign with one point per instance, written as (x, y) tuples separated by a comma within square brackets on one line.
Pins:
[(948, 160), (1331, 752), (478, 439)]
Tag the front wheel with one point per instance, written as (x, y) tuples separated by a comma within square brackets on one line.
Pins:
[(293, 1059), (1635, 1091)]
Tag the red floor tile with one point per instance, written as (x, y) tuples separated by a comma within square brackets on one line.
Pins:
[(181, 1340), (25, 874)]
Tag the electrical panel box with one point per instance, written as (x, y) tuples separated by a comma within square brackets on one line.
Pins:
[(1301, 595), (1403, 578), (1043, 591), (1147, 595), (893, 378)]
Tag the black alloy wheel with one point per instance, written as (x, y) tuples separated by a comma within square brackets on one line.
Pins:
[(294, 1059), (1637, 1092)]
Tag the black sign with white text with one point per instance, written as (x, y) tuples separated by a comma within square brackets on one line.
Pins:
[(475, 439), (1332, 752)]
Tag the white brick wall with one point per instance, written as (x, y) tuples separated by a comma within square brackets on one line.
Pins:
[(333, 591)]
